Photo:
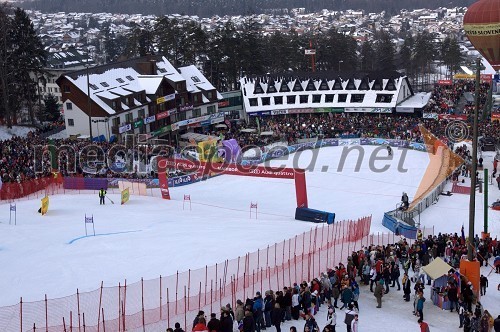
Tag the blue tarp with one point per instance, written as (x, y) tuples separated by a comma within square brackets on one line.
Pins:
[(399, 228)]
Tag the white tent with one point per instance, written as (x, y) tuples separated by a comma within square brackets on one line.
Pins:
[(437, 268)]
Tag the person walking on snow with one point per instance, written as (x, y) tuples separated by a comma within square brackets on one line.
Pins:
[(483, 281), (102, 195), (379, 292), (424, 327)]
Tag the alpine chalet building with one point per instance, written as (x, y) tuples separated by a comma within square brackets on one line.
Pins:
[(144, 95)]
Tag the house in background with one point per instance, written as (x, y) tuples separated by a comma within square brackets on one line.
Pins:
[(144, 96)]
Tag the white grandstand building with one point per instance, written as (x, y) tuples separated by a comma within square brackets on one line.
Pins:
[(321, 93)]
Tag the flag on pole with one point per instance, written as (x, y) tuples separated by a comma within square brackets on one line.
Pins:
[(13, 207), (89, 220)]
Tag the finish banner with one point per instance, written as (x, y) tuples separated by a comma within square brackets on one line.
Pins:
[(204, 168)]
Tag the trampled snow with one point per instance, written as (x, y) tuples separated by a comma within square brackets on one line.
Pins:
[(7, 133), (148, 236)]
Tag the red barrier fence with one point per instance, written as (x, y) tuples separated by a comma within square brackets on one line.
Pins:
[(163, 301), (154, 305), (12, 191)]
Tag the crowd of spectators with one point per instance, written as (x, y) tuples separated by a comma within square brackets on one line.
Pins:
[(18, 155), (445, 98), (375, 269)]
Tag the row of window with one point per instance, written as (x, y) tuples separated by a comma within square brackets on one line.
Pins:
[(316, 99), (337, 85), (50, 90)]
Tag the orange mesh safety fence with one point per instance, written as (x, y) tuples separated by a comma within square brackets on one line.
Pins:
[(154, 305)]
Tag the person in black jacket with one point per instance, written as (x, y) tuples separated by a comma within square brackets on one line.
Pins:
[(226, 321), (287, 301), (395, 275), (483, 283), (248, 322), (277, 316), (214, 324), (406, 287), (496, 324), (178, 328)]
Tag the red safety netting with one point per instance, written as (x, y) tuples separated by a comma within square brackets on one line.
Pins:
[(163, 301), (36, 187), (153, 305)]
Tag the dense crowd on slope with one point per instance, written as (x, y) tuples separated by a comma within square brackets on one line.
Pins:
[(379, 268), (17, 155), (445, 98)]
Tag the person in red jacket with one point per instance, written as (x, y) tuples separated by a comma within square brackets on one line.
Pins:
[(201, 326), (424, 327)]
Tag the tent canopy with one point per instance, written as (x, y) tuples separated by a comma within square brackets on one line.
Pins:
[(437, 268)]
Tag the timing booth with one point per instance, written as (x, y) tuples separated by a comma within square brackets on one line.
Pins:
[(438, 270)]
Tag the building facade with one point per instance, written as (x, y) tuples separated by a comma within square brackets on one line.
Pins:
[(325, 93), (145, 96)]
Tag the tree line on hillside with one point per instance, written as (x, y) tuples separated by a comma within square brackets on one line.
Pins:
[(224, 55), (208, 8), (227, 53), (22, 62)]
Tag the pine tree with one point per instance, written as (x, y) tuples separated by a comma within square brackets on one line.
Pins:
[(367, 55), (50, 110), (22, 57), (385, 53)]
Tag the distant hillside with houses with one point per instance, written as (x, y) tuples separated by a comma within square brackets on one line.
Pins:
[(208, 8)]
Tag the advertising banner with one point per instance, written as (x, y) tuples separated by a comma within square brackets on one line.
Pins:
[(125, 196), (45, 205), (149, 119), (445, 82), (162, 178), (124, 128), (138, 123), (279, 112), (452, 117), (430, 116), (204, 168), (164, 99)]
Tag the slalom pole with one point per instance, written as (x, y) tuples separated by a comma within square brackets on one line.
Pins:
[(110, 200)]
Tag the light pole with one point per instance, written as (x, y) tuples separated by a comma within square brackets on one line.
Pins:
[(89, 104), (472, 202), (340, 61)]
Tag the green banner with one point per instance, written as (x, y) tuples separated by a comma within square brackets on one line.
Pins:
[(138, 123), (161, 131)]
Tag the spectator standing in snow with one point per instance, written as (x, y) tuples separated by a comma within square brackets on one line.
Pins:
[(424, 327), (248, 322), (406, 287), (483, 284), (496, 324), (213, 324), (277, 317), (349, 317), (354, 324), (201, 325), (379, 292), (420, 305), (331, 319)]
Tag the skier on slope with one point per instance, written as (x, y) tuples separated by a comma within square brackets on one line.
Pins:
[(389, 150)]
